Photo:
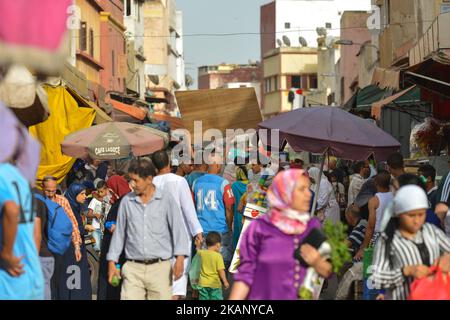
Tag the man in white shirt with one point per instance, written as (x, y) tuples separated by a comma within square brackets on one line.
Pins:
[(179, 188), (361, 173)]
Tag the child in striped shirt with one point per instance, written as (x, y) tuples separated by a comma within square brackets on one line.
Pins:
[(356, 237), (408, 245)]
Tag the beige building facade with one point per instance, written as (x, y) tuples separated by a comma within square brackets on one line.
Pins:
[(286, 68)]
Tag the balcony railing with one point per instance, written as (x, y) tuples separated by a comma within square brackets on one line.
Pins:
[(437, 37)]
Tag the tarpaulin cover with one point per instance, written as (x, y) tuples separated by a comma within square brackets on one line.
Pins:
[(65, 118), (133, 111), (408, 96)]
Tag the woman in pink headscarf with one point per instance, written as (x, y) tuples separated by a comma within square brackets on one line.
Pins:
[(268, 269)]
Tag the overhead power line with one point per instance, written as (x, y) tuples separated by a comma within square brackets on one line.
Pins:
[(229, 34)]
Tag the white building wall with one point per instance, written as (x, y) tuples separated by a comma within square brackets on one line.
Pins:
[(307, 15)]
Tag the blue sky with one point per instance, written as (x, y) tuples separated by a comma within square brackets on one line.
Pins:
[(220, 16)]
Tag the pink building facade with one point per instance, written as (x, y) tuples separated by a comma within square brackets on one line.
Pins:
[(113, 46), (211, 78), (354, 28)]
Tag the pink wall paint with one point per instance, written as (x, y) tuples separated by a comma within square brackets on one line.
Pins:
[(216, 80), (353, 27), (112, 40)]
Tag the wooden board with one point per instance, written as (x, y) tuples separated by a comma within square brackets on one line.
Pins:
[(219, 109), (175, 123)]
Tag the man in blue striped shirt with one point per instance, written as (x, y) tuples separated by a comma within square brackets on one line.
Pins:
[(354, 241), (356, 237)]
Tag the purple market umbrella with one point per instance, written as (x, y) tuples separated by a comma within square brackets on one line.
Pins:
[(331, 130), (17, 145), (321, 129)]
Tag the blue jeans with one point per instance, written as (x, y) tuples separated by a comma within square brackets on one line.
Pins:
[(48, 267), (97, 234)]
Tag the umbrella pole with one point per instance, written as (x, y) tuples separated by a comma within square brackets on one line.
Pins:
[(316, 192)]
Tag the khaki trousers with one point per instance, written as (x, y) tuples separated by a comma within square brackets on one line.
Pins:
[(146, 282)]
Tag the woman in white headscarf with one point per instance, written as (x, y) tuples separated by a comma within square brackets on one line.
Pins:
[(326, 199), (408, 246)]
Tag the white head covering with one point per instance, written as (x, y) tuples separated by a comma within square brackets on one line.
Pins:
[(407, 198), (314, 173)]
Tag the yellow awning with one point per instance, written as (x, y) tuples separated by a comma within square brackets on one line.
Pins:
[(65, 118), (100, 115)]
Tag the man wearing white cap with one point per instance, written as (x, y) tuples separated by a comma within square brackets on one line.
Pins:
[(408, 246)]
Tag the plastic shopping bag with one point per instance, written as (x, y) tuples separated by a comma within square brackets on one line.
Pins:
[(194, 271), (434, 287)]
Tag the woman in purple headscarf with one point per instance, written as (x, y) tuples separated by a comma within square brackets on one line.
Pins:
[(268, 269)]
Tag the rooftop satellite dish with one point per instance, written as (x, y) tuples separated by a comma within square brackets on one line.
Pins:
[(280, 43), (176, 85), (286, 41), (321, 31), (154, 79), (188, 80), (303, 42), (329, 41)]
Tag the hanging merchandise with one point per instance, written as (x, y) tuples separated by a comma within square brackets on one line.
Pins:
[(414, 148), (256, 207), (18, 87), (36, 33), (432, 136)]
